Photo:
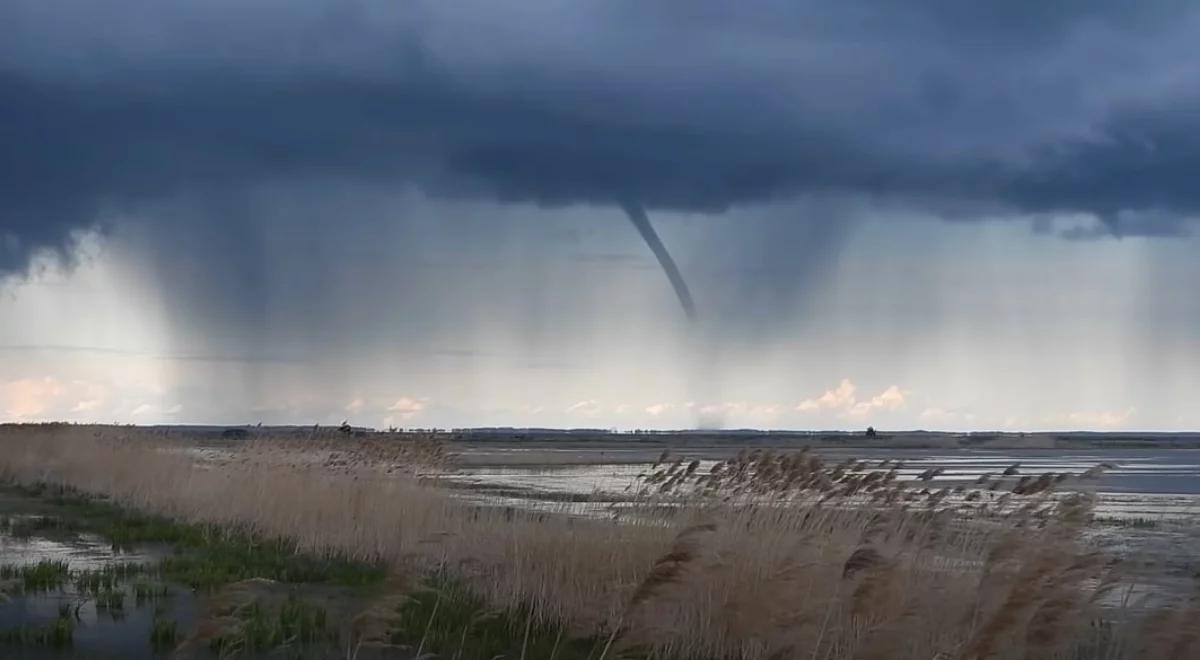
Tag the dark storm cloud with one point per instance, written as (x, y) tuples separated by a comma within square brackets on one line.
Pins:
[(1080, 107)]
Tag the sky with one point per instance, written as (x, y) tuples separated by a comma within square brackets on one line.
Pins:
[(927, 215)]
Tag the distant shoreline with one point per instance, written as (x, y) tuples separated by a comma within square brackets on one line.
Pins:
[(698, 438)]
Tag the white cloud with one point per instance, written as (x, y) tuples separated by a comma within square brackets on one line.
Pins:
[(91, 396), (658, 408), (588, 407), (891, 399), (408, 407), (50, 398), (623, 408), (838, 398), (355, 406), (843, 399), (29, 398)]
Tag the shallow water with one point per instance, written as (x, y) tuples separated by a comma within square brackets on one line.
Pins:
[(71, 591), (81, 551), (1160, 484), (98, 632)]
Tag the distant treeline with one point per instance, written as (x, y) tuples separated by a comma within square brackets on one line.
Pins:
[(865, 438)]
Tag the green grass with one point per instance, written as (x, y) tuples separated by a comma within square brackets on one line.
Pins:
[(95, 581), (144, 592), (448, 619), (126, 529), (46, 575), (233, 557), (58, 634), (163, 632), (112, 600), (260, 628), (204, 557), (444, 617)]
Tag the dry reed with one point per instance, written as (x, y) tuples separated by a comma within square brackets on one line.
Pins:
[(761, 556)]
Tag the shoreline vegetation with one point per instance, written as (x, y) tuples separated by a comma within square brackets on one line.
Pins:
[(261, 596), (763, 556)]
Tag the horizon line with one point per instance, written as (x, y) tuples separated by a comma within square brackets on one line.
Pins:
[(609, 430)]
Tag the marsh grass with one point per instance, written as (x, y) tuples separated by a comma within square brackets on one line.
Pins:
[(258, 627), (255, 617), (225, 557), (57, 634), (763, 556), (111, 601), (445, 617), (164, 633), (204, 558), (147, 592), (45, 575)]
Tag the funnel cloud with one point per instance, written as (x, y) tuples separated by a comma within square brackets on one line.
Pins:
[(637, 215)]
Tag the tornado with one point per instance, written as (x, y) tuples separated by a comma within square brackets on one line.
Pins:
[(637, 215)]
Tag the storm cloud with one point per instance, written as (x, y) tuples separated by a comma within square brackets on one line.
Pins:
[(969, 111)]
